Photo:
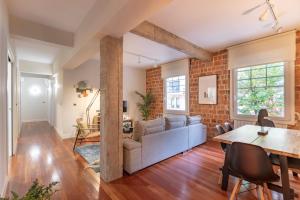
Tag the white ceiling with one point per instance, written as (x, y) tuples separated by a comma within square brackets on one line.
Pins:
[(156, 53), (36, 51), (62, 14), (136, 48), (217, 24)]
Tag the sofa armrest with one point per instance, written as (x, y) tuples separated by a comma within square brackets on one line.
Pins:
[(132, 153)]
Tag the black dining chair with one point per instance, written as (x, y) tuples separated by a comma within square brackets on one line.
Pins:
[(251, 163), (293, 164), (221, 131), (228, 126)]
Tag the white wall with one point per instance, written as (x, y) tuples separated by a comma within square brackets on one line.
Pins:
[(134, 79), (4, 37), (34, 106), (35, 67), (73, 106)]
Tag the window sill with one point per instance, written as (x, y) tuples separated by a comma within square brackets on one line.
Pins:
[(254, 119)]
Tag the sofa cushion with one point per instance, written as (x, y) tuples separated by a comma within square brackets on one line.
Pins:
[(148, 127), (193, 120), (175, 121)]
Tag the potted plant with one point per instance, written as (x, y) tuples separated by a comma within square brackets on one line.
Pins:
[(144, 107), (36, 192)]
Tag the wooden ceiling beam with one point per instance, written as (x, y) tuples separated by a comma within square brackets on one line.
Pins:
[(155, 33)]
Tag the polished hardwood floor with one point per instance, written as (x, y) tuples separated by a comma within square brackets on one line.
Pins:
[(193, 175)]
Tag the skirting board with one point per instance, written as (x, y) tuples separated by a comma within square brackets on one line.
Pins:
[(3, 191), (35, 120)]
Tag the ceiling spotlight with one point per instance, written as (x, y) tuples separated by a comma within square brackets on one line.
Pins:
[(263, 16)]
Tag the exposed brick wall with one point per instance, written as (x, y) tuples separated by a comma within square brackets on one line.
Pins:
[(211, 114), (154, 83), (297, 79)]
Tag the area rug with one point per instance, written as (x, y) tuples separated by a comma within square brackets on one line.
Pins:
[(91, 153)]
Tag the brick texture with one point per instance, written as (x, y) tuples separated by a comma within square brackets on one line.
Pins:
[(154, 83), (211, 114)]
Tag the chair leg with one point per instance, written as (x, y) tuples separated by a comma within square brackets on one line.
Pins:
[(220, 178), (269, 194), (260, 193), (236, 189), (76, 140)]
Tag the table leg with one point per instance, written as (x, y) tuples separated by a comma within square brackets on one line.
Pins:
[(285, 178), (225, 170)]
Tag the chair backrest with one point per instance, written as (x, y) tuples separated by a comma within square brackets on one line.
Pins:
[(221, 131), (261, 121), (83, 128), (228, 126), (250, 162)]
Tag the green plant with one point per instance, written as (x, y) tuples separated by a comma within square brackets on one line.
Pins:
[(144, 107), (36, 192)]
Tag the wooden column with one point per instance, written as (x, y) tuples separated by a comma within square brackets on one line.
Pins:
[(111, 84)]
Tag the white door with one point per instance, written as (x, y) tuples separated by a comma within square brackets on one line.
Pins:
[(9, 109), (34, 99)]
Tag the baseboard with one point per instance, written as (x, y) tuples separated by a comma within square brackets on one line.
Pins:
[(3, 191), (35, 120), (63, 136)]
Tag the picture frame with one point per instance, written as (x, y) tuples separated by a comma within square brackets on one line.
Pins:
[(207, 90)]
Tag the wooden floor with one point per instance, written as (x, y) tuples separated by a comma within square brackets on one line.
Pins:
[(192, 175)]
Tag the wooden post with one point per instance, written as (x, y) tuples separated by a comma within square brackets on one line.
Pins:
[(111, 84)]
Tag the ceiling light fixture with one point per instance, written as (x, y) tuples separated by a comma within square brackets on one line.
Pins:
[(264, 15), (154, 60)]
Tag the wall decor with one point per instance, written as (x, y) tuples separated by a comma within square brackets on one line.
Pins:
[(207, 89)]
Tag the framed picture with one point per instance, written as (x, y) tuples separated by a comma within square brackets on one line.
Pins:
[(208, 89)]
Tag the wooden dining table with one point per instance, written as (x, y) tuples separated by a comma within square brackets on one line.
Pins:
[(279, 141)]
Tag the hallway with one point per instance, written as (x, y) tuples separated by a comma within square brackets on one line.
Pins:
[(42, 154)]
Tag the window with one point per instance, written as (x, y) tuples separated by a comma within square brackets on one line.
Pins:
[(175, 95), (261, 86)]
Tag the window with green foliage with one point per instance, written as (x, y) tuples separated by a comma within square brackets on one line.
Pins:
[(260, 87)]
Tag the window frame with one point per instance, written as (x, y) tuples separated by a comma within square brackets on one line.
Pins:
[(289, 96), (168, 111)]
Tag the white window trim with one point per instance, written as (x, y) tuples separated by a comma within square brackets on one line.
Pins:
[(289, 95), (187, 94)]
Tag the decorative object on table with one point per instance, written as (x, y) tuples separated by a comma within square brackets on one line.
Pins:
[(83, 89), (208, 89), (36, 192), (144, 107), (90, 153), (263, 131)]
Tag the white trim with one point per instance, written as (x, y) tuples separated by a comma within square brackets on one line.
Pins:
[(187, 97), (35, 120), (289, 92)]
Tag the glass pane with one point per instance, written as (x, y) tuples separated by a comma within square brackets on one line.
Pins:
[(258, 72), (244, 84), (276, 81), (243, 74), (275, 71), (176, 93), (261, 82)]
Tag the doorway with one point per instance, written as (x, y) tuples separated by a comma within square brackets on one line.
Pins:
[(35, 95)]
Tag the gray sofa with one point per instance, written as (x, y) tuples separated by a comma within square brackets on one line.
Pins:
[(159, 139)]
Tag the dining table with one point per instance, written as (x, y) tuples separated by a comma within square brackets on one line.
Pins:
[(279, 141)]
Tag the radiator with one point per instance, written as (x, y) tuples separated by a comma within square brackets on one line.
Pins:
[(238, 123)]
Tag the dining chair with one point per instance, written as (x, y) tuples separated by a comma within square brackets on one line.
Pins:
[(220, 131), (251, 163), (292, 162), (228, 126)]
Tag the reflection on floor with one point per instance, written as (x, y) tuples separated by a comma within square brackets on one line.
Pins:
[(43, 155), (192, 175)]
